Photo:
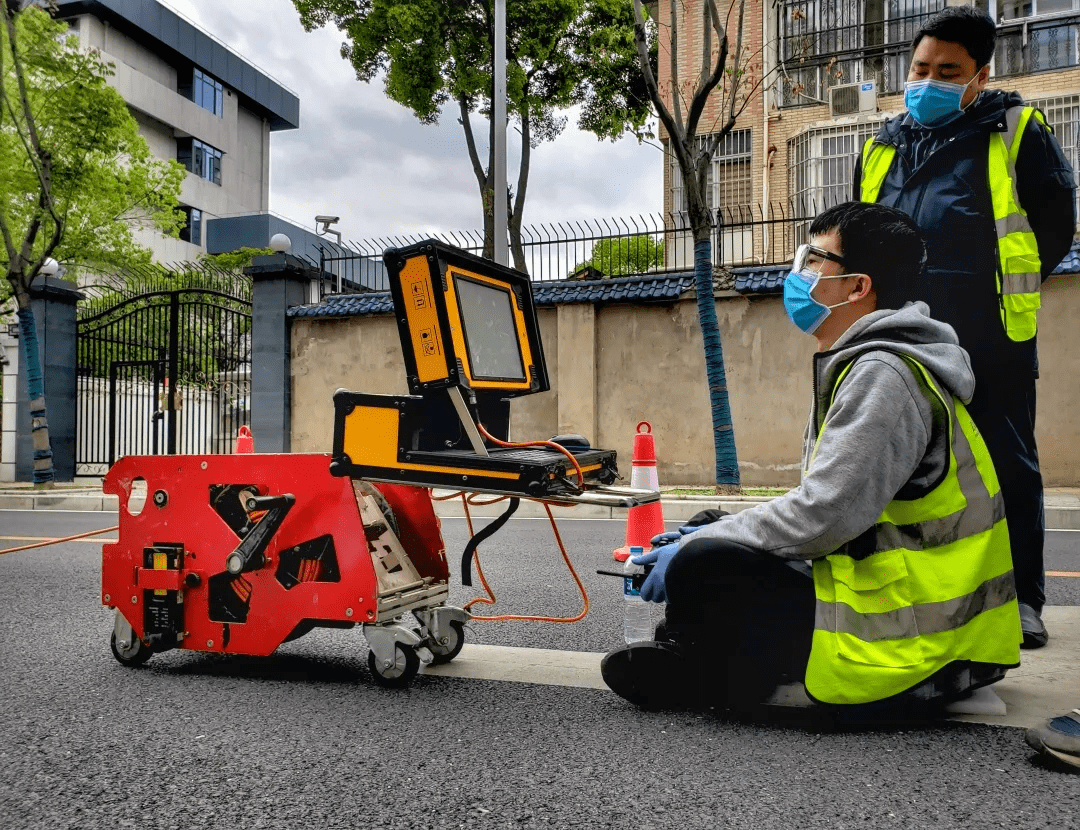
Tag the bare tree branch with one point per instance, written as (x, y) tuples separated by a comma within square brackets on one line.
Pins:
[(674, 130), (701, 95), (676, 104)]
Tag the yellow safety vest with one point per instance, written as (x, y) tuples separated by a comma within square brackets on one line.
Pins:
[(937, 587), (1019, 277)]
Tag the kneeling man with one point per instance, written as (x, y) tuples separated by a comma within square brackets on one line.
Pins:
[(883, 582)]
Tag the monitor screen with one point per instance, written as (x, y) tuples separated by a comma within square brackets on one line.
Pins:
[(491, 335)]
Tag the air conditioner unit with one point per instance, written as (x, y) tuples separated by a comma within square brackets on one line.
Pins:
[(853, 99)]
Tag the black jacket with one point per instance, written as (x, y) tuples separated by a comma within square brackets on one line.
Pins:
[(940, 178)]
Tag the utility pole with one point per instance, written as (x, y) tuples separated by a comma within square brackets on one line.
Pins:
[(498, 112)]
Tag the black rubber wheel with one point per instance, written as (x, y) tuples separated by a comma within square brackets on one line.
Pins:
[(444, 653), (135, 655), (399, 675)]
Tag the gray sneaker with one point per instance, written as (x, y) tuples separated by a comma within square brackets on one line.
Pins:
[(1058, 737), (1031, 625)]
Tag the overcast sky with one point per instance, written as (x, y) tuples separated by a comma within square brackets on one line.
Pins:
[(365, 158)]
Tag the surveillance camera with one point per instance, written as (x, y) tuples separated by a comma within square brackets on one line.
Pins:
[(328, 220)]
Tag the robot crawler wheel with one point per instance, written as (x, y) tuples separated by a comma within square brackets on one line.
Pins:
[(445, 652), (400, 674), (130, 654)]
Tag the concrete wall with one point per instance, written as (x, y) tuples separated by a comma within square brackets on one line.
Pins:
[(627, 363), (1058, 415)]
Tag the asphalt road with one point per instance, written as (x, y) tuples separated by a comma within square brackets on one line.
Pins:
[(305, 739)]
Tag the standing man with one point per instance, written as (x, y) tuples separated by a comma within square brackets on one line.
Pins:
[(983, 177)]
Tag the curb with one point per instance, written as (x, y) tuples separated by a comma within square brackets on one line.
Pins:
[(1062, 512)]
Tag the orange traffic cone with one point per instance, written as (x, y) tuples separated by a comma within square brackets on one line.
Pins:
[(244, 440), (646, 520)]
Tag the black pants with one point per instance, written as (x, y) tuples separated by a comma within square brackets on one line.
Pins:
[(1006, 419), (746, 618)]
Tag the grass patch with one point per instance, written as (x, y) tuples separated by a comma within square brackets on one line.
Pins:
[(709, 491)]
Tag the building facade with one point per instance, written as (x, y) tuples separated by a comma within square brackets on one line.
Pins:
[(821, 76), (196, 101)]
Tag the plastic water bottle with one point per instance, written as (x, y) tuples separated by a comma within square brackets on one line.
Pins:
[(637, 613)]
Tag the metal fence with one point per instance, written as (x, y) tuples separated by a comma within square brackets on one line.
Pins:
[(742, 235), (164, 364)]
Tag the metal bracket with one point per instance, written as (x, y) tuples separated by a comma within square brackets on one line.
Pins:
[(437, 620), (126, 639), (466, 421), (607, 495), (383, 640)]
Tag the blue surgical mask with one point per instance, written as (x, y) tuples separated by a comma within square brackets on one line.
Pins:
[(799, 303), (935, 103)]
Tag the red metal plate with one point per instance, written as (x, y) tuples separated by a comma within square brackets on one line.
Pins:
[(325, 505)]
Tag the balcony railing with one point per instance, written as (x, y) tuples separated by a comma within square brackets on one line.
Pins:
[(817, 53), (1037, 44), (814, 57)]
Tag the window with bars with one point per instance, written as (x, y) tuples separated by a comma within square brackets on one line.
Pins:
[(823, 43), (1036, 36), (1063, 114), (821, 167), (730, 180), (729, 194)]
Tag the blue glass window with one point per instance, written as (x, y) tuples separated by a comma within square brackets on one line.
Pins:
[(192, 231), (207, 93), (200, 158)]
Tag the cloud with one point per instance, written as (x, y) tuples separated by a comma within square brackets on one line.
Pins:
[(367, 159)]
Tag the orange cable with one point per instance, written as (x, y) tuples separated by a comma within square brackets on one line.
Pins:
[(467, 500), (58, 541), (550, 444), (490, 598)]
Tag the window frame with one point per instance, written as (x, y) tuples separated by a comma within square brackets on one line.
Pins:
[(207, 89), (194, 222), (809, 165), (736, 148)]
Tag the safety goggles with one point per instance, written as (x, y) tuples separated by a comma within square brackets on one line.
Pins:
[(811, 256)]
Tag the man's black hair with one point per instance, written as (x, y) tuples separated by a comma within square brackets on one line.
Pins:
[(971, 28), (880, 241)]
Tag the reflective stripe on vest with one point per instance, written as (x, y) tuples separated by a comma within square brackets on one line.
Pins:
[(1020, 272), (1019, 278), (937, 586)]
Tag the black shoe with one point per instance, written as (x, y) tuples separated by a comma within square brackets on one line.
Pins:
[(650, 675), (1031, 624)]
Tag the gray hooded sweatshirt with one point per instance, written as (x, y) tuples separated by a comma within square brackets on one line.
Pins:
[(881, 437)]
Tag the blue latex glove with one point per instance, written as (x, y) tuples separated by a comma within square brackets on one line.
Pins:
[(669, 536), (653, 588)]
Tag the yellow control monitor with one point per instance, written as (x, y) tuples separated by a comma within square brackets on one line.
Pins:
[(464, 321)]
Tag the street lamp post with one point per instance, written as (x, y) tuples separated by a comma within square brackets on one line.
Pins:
[(498, 110)]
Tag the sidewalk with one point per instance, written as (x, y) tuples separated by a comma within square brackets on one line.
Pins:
[(1062, 504)]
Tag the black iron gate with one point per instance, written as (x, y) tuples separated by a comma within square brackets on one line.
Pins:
[(165, 371)]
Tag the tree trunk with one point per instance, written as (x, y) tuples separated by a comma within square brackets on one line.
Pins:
[(35, 382), (727, 463)]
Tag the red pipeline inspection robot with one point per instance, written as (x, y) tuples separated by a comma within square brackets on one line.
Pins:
[(238, 554)]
